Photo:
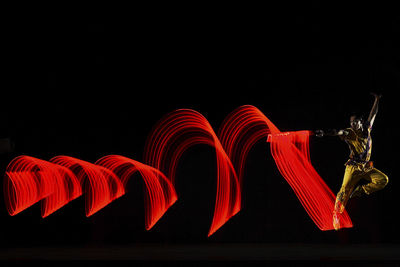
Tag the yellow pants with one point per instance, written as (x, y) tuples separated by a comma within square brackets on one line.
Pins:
[(352, 175)]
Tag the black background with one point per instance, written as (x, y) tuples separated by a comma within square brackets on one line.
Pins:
[(91, 86)]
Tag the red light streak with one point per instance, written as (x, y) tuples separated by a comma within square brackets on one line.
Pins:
[(28, 180), (101, 186), (172, 136), (160, 193), (290, 150), (60, 180)]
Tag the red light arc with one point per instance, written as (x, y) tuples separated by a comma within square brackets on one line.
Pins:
[(29, 180), (62, 179), (159, 192), (247, 125), (177, 132)]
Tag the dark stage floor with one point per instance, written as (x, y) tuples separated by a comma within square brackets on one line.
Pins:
[(215, 254)]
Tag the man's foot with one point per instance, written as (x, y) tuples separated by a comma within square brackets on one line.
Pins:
[(336, 222)]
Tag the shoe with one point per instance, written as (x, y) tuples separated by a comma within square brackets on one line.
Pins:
[(336, 222)]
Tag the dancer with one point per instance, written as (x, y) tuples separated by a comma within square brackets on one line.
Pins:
[(359, 166)]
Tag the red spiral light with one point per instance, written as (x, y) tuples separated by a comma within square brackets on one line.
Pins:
[(63, 178), (101, 186), (160, 193), (177, 132), (290, 150), (29, 180)]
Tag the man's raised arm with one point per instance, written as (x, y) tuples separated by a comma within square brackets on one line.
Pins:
[(374, 111)]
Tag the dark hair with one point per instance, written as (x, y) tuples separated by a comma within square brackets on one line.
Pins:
[(360, 118), (357, 117)]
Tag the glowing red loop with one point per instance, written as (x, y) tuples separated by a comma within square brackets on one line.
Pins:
[(28, 180), (160, 193), (101, 186), (172, 136), (290, 150)]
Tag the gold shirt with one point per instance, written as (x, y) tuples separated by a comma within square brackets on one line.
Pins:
[(360, 144)]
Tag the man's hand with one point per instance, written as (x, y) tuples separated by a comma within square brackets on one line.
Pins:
[(342, 132), (376, 95), (319, 133)]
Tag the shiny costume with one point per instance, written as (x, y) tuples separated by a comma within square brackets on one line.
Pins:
[(359, 167)]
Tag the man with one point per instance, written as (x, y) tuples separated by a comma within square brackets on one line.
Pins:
[(359, 166)]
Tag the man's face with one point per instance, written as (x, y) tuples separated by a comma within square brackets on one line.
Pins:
[(355, 123)]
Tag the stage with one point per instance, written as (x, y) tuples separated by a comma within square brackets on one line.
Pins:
[(215, 254)]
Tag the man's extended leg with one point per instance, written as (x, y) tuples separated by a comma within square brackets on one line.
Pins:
[(351, 178)]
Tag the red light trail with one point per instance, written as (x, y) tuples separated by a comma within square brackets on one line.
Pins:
[(58, 181), (246, 125), (29, 180), (159, 192), (100, 185), (172, 136)]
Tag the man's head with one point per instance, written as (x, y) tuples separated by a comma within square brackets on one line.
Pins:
[(356, 122)]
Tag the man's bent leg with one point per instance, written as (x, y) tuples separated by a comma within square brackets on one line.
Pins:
[(378, 180)]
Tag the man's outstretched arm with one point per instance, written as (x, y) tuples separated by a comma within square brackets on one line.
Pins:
[(321, 133)]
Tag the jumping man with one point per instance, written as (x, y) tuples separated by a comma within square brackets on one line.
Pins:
[(359, 166)]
